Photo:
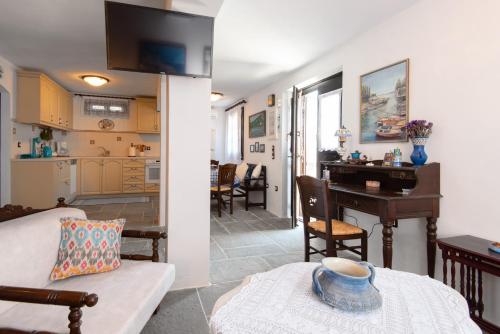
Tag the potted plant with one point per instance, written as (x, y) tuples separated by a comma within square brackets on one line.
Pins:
[(419, 132)]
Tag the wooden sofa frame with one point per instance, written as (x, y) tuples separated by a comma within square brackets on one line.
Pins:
[(256, 184), (75, 300)]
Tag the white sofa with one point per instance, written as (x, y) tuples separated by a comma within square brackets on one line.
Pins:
[(127, 297)]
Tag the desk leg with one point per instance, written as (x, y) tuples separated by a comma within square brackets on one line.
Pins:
[(431, 245), (387, 242)]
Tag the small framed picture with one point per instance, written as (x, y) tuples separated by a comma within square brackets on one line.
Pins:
[(256, 146), (252, 148), (262, 148)]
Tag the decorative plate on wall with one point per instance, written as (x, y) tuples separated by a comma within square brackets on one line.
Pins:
[(106, 124)]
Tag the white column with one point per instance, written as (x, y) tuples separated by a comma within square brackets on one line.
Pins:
[(187, 142)]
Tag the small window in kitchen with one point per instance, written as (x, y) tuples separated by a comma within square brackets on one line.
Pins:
[(105, 107)]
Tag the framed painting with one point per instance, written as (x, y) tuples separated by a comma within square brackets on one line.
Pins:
[(257, 125), (384, 104)]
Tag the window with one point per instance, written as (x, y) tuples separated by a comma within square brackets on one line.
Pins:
[(104, 107), (233, 134)]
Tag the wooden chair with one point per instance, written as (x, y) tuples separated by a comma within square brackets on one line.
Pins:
[(225, 185), (214, 162), (316, 203)]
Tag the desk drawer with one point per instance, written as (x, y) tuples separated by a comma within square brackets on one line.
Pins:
[(360, 203)]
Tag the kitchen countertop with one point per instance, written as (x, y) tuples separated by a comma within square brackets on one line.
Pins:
[(84, 157)]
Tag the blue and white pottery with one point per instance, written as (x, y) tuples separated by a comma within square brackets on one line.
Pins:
[(346, 285), (418, 156)]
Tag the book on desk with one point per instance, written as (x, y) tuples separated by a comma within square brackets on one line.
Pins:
[(348, 188)]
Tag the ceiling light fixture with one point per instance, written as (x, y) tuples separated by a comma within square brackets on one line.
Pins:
[(95, 80), (216, 96)]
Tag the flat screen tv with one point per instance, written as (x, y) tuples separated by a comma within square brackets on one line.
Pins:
[(151, 40)]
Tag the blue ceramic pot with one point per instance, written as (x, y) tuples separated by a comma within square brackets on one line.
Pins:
[(346, 285), (418, 156)]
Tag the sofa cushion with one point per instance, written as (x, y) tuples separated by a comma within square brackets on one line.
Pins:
[(88, 247), (127, 298), (28, 248), (241, 171)]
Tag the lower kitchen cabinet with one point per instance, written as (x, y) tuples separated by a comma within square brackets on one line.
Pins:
[(38, 184), (112, 176), (100, 176), (90, 176)]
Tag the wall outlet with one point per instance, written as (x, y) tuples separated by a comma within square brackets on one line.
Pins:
[(19, 144), (118, 138), (92, 142), (14, 131), (275, 188), (148, 148)]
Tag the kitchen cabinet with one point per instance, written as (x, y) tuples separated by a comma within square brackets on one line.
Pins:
[(100, 176), (133, 175), (111, 176), (38, 184), (90, 176), (42, 101), (148, 118)]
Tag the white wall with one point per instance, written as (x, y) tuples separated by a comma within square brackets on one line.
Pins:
[(454, 60), (188, 181), (7, 89)]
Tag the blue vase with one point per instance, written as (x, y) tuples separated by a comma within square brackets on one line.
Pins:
[(418, 156)]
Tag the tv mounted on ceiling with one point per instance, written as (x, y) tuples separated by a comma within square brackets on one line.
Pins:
[(151, 40)]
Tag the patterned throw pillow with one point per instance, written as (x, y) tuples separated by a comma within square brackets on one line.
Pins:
[(88, 247)]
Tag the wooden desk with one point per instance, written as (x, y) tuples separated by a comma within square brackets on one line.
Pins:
[(349, 191), (473, 254)]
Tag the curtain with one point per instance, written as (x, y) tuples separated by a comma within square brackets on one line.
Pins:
[(330, 108), (233, 135)]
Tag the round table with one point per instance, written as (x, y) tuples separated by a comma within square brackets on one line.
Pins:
[(282, 301)]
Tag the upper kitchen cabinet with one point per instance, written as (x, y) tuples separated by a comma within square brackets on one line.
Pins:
[(148, 118), (42, 101)]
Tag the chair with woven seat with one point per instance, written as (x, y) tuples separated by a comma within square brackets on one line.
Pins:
[(316, 203), (224, 187)]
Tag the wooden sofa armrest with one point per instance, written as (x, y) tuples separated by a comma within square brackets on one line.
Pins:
[(153, 235), (74, 299)]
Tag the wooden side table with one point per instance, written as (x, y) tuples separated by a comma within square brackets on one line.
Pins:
[(474, 258)]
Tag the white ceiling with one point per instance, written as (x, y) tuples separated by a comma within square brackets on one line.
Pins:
[(256, 41)]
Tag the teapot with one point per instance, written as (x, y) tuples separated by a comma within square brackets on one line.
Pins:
[(346, 284)]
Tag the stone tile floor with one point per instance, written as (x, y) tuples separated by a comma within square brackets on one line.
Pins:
[(241, 244)]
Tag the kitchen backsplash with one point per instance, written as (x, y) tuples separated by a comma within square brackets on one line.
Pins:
[(79, 143)]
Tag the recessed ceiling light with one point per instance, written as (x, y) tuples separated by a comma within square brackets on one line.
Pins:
[(216, 96), (95, 80)]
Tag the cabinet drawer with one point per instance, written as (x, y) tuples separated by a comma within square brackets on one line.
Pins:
[(152, 187), (133, 179), (133, 188), (134, 163), (133, 170), (368, 205)]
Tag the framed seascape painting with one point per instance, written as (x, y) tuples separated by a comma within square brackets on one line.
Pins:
[(384, 104), (257, 125)]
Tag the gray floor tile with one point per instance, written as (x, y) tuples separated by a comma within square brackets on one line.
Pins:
[(236, 269), (216, 252), (253, 251), (279, 260), (180, 313), (242, 239), (209, 295)]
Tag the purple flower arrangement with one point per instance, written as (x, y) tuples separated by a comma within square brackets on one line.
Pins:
[(418, 129)]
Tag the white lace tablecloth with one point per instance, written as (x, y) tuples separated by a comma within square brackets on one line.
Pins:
[(281, 301)]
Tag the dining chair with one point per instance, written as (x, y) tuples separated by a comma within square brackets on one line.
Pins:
[(214, 162), (316, 203), (224, 187)]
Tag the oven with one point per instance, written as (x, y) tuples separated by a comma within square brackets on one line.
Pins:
[(152, 171)]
